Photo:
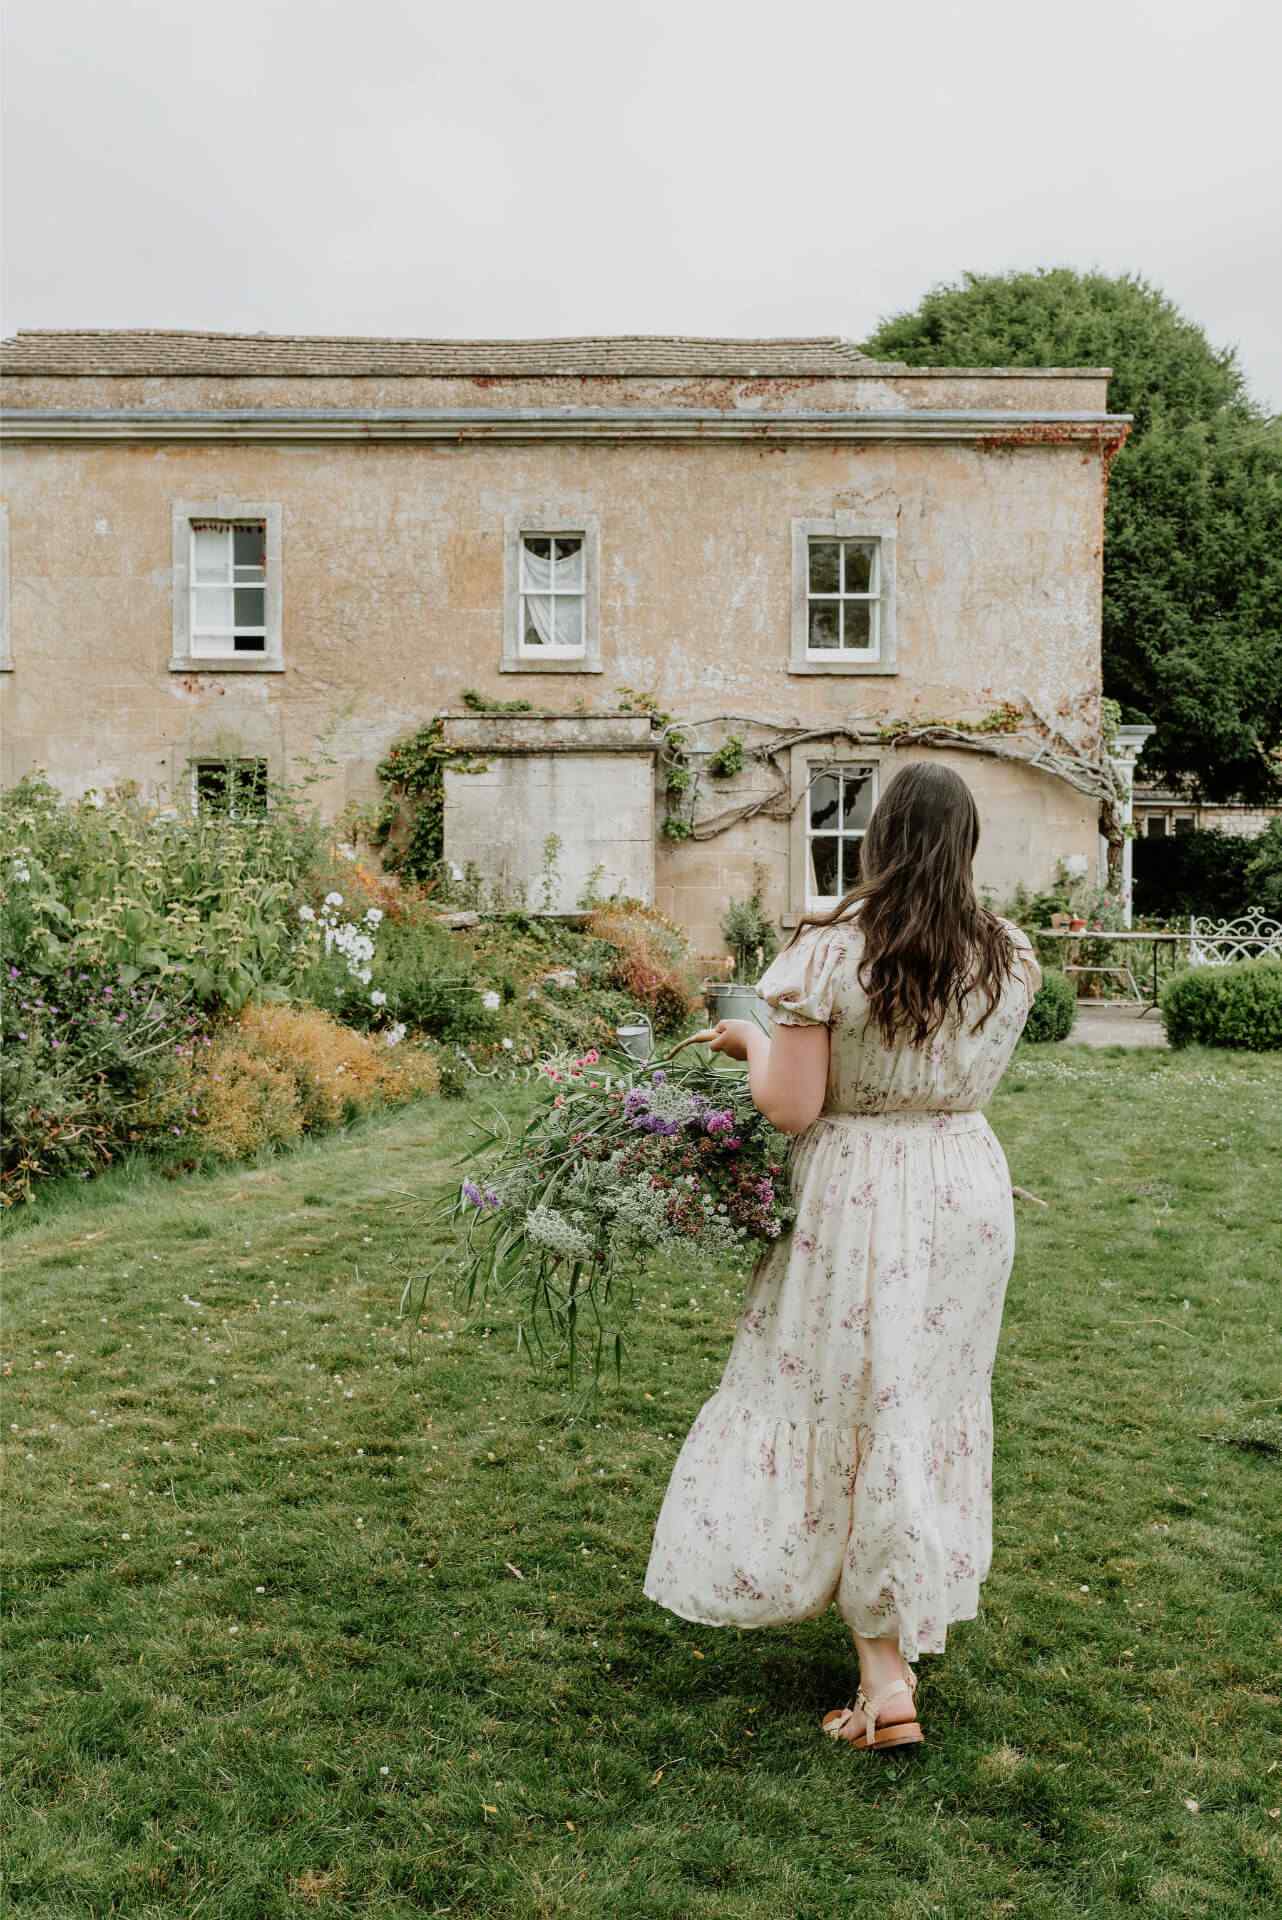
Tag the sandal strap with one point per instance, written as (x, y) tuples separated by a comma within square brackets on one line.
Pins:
[(870, 1704)]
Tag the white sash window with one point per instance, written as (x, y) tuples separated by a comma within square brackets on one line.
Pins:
[(552, 595), (839, 804), (228, 587)]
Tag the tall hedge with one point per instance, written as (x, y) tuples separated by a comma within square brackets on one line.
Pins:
[(1202, 872), (1236, 1006)]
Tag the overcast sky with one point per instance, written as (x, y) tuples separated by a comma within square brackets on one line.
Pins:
[(497, 168)]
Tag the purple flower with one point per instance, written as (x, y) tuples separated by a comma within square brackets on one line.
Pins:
[(634, 1102), (658, 1078), (490, 1198), (472, 1192), (14, 974)]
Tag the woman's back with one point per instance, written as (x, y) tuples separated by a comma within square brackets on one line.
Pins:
[(957, 1070)]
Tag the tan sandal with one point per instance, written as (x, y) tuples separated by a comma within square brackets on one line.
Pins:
[(842, 1722)]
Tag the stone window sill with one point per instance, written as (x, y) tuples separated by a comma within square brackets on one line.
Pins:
[(202, 664), (840, 667), (523, 665)]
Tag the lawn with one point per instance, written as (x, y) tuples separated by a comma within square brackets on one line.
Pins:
[(308, 1615)]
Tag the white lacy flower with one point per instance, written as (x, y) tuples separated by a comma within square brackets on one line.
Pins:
[(505, 1042), (395, 1035), (364, 976), (374, 917), (491, 1001), (333, 899), (378, 998), (307, 913), (21, 872), (94, 798), (545, 1227)]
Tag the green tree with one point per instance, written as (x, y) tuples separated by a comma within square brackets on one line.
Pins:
[(1193, 549)]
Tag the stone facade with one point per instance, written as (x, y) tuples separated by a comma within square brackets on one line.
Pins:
[(394, 488)]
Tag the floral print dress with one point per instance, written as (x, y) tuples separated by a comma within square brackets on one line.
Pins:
[(846, 1456)]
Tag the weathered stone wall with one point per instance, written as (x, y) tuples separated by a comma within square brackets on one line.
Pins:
[(393, 596), (587, 783)]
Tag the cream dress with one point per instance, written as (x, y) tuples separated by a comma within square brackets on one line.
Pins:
[(847, 1454)]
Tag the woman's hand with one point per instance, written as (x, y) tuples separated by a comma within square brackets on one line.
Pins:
[(729, 1037)]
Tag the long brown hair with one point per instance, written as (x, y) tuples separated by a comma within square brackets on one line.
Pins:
[(927, 941)]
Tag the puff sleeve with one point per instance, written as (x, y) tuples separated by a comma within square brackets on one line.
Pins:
[(1025, 957), (799, 984)]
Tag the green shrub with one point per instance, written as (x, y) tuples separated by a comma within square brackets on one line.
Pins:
[(1202, 872), (1235, 1006), (1054, 1009)]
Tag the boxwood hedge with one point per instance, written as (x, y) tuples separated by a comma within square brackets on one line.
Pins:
[(1054, 1010), (1235, 1006)]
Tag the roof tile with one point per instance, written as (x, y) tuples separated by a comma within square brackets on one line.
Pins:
[(305, 356)]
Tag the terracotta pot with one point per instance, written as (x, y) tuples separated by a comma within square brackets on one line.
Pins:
[(1077, 926)]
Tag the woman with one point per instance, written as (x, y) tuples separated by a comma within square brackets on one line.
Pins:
[(846, 1455)]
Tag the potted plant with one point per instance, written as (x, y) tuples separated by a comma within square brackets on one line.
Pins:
[(753, 943)]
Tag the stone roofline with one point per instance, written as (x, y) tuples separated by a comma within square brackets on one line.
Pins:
[(1007, 427)]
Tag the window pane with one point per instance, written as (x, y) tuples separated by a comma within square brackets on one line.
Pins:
[(250, 546), (825, 793), (569, 565), (824, 878), (857, 623), (850, 855), (824, 633), (1184, 823), (213, 610), (212, 785), (249, 606), (210, 554), (536, 562), (823, 566), (536, 620), (857, 556), (856, 800), (250, 643), (1157, 827), (569, 620)]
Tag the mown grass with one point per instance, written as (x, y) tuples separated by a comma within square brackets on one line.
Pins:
[(307, 1616)]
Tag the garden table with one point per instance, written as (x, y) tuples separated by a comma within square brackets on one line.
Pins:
[(1155, 940)]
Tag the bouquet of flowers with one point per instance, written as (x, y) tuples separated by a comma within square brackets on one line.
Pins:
[(616, 1163)]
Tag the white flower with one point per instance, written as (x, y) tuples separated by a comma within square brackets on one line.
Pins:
[(94, 798), (21, 872), (333, 899), (307, 913), (395, 1035), (364, 976), (348, 853), (378, 998), (374, 917), (491, 1001), (505, 1042)]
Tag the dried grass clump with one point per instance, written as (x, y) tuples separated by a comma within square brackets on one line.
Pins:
[(279, 1072), (245, 1102), (337, 1073), (655, 965)]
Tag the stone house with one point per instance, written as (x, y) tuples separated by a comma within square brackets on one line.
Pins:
[(227, 555)]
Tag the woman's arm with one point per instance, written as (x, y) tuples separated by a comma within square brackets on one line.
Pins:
[(787, 1070)]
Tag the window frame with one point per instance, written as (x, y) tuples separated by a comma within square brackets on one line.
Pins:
[(230, 583), (878, 659), (807, 763), (184, 657), (230, 761), (550, 522)]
